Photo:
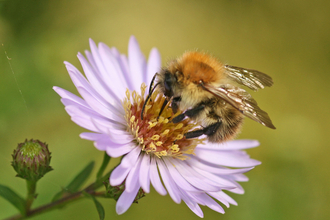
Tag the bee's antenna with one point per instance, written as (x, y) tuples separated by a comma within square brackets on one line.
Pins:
[(151, 90), (162, 108)]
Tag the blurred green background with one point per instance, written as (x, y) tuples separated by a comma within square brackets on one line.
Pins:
[(287, 39)]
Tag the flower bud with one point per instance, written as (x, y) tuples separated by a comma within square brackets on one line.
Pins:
[(116, 191), (31, 160)]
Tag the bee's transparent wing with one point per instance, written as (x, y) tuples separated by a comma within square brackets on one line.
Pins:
[(251, 78), (242, 101)]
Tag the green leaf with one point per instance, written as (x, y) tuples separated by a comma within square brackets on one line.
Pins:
[(105, 162), (13, 198), (77, 182), (98, 205)]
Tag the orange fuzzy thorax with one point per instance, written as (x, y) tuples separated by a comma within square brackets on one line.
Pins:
[(198, 67)]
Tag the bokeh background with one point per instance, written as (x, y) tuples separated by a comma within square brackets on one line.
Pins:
[(287, 39)]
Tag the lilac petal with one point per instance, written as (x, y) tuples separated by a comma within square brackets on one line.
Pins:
[(119, 139), (113, 68), (239, 177), (109, 77), (111, 102), (228, 198), (80, 81), (91, 115), (94, 117), (98, 82), (68, 95), (154, 65), (211, 203), (118, 175), (144, 176), (126, 199), (230, 145), (154, 178), (193, 177), (169, 182), (133, 176), (177, 176), (137, 63), (218, 197), (75, 110), (216, 169), (238, 190), (119, 136), (226, 158), (131, 158), (107, 142), (123, 62), (118, 150), (222, 183), (85, 123), (192, 204), (106, 111), (92, 136)]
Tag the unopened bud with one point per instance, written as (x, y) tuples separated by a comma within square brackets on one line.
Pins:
[(31, 160)]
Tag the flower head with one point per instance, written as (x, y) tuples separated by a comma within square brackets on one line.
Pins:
[(31, 160), (154, 148)]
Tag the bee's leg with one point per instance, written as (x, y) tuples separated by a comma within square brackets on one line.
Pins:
[(194, 134), (189, 113), (209, 131)]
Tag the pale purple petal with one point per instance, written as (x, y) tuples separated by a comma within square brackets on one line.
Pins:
[(118, 175), (68, 95), (194, 178), (216, 169), (137, 63), (228, 198), (238, 190), (133, 176), (169, 182), (131, 158), (211, 203), (126, 199), (144, 176), (230, 145), (119, 150), (176, 175), (192, 204), (218, 197), (226, 158), (154, 65), (154, 178), (84, 123)]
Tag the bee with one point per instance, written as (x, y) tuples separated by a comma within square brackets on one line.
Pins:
[(206, 91)]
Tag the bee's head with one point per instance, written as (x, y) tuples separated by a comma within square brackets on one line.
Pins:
[(169, 83)]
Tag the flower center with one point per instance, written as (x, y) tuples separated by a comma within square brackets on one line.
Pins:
[(156, 134)]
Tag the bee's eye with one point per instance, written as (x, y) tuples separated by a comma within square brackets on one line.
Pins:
[(168, 85)]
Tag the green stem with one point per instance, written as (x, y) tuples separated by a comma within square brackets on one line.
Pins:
[(31, 188), (105, 162), (65, 200)]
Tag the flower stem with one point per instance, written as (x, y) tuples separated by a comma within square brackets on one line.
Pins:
[(63, 201), (105, 162), (31, 188)]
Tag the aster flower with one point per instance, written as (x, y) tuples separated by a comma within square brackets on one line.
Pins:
[(113, 94)]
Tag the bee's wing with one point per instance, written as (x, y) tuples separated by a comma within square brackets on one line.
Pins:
[(251, 78), (242, 101)]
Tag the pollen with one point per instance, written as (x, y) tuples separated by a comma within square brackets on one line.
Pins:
[(156, 134)]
